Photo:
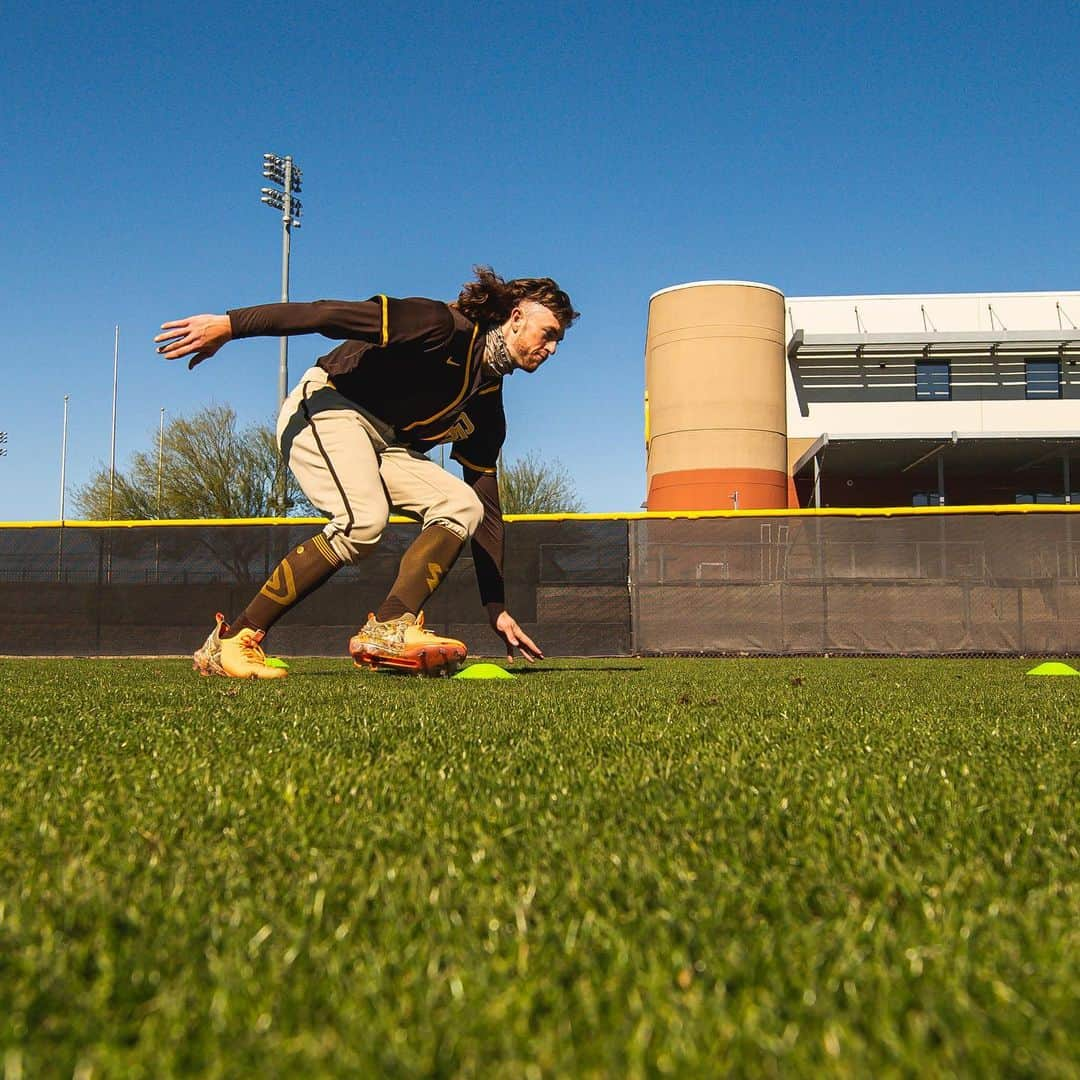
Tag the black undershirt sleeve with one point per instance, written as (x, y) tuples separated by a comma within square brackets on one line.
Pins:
[(487, 543)]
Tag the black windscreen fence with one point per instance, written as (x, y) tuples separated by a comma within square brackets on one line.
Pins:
[(154, 589), (907, 585), (931, 584)]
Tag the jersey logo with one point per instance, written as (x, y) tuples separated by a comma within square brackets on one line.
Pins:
[(462, 429)]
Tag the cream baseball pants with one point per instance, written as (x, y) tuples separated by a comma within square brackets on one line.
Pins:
[(350, 472)]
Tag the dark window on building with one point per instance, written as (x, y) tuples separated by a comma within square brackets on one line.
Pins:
[(932, 382), (926, 498), (1042, 379)]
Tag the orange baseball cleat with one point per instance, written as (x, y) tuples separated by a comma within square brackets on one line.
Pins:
[(403, 644)]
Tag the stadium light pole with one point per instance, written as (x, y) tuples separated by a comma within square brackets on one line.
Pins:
[(287, 176), (3, 444)]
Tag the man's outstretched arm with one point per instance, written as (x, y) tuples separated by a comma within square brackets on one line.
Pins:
[(200, 336), (379, 321)]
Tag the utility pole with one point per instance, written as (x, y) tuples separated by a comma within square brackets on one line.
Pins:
[(63, 460), (157, 531), (287, 176), (63, 489), (112, 441), (160, 454)]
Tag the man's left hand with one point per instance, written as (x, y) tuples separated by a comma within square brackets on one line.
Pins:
[(505, 625)]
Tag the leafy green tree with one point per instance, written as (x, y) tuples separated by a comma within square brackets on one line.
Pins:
[(209, 468), (532, 486)]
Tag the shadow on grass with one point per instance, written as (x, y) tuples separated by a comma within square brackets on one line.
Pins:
[(345, 668)]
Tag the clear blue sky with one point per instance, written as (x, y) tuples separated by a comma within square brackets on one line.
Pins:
[(822, 147)]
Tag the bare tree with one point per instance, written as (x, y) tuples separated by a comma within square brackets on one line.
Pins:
[(532, 486)]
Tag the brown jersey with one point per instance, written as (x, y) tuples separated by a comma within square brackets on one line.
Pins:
[(413, 364)]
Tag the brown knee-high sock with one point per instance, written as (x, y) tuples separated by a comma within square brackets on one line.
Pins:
[(302, 571), (423, 566)]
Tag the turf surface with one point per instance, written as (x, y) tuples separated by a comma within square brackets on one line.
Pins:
[(616, 868)]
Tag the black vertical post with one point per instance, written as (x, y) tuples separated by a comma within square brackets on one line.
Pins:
[(99, 600), (632, 584)]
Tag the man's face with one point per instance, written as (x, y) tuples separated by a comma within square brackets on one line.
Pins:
[(532, 334)]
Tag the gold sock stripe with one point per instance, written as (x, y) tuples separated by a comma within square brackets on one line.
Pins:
[(322, 545)]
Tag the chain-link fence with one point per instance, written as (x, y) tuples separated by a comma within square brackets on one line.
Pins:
[(933, 584)]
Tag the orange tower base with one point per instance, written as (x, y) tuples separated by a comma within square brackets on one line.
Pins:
[(715, 489)]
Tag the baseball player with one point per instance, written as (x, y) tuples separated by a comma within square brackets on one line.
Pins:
[(408, 375)]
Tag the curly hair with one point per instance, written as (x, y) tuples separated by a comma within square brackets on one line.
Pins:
[(489, 299)]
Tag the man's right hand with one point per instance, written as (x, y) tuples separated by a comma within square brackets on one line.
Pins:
[(197, 336), (505, 625)]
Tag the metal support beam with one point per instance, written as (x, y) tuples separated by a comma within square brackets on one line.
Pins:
[(796, 374), (954, 438)]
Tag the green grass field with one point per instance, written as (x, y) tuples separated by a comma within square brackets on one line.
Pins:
[(609, 868)]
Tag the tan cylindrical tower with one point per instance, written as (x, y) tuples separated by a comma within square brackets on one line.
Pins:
[(716, 397)]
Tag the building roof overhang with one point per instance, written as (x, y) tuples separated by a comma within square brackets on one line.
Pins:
[(876, 455), (803, 345)]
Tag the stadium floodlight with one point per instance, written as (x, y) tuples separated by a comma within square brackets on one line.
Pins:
[(287, 176), (3, 444)]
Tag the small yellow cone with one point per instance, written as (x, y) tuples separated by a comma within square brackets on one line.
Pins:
[(484, 671), (1053, 667)]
